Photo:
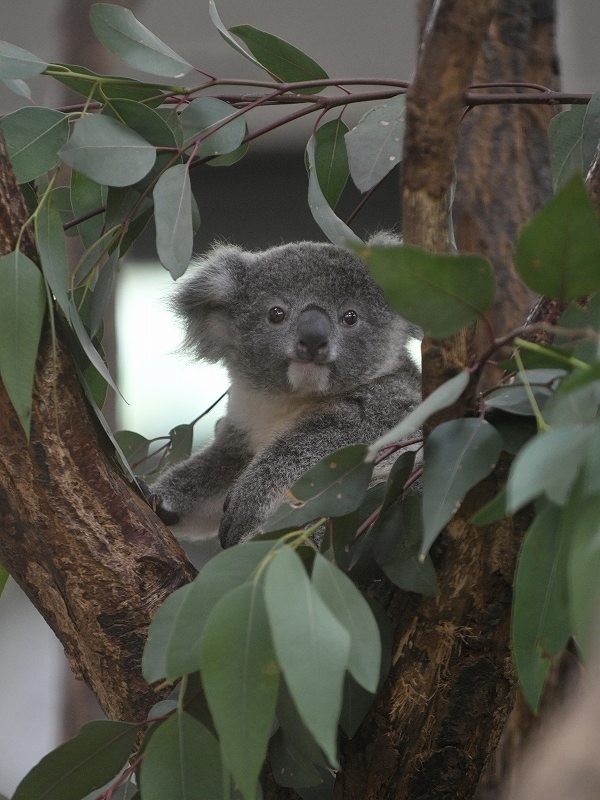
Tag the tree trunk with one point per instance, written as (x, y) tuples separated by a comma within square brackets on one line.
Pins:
[(451, 687), (87, 550)]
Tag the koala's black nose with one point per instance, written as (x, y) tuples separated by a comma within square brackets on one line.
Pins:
[(313, 330)]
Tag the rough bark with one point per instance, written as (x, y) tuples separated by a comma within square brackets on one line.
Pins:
[(503, 174), (451, 41), (91, 555)]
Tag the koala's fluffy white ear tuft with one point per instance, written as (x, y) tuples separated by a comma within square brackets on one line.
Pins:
[(204, 299)]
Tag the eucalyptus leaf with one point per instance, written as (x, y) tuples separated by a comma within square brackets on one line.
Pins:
[(102, 292), (126, 37), (375, 145), (18, 63), (216, 20), (280, 58), (145, 121), (290, 766), (458, 454), (312, 647), (240, 676), (87, 196), (335, 486), (51, 247), (220, 575), (397, 537), (440, 398), (204, 113), (173, 217), (4, 576), (355, 706), (582, 524), (331, 225), (352, 610), (441, 292), (182, 438), (541, 624), (22, 309), (565, 132), (491, 512), (34, 135), (548, 464), (84, 763), (331, 159), (558, 251), (133, 445), (107, 151), (102, 88), (182, 762), (155, 652), (590, 132), (19, 87)]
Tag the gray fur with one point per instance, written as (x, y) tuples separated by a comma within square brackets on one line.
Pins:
[(300, 388)]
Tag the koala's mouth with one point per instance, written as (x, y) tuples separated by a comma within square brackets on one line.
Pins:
[(307, 377)]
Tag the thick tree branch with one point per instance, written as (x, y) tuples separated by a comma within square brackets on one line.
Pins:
[(91, 555)]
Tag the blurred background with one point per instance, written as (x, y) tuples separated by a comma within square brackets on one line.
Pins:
[(255, 203)]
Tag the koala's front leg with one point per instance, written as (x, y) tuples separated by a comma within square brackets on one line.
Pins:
[(193, 491), (263, 484)]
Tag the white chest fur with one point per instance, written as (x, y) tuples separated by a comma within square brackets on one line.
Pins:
[(263, 415)]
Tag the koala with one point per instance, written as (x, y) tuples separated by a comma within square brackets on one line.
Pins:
[(317, 360)]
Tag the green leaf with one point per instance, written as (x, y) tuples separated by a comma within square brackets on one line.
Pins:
[(558, 251), (133, 445), (352, 611), (582, 524), (182, 438), (202, 114), (18, 63), (397, 537), (19, 87), (399, 474), (441, 293), (22, 309), (281, 58), (97, 87), (335, 486), (591, 477), (491, 512), (355, 706), (240, 675), (102, 292), (82, 764), (4, 576), (146, 122), (182, 762), (155, 652), (312, 647), (565, 131), (216, 20), (107, 151), (61, 196), (34, 135), (515, 431), (458, 454), (375, 144), (230, 158), (220, 575), (331, 225), (442, 397), (86, 196), (590, 133), (331, 159), (173, 216), (289, 765), (540, 625), (548, 464), (122, 34)]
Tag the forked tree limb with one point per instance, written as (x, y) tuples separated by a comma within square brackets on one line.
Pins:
[(89, 553)]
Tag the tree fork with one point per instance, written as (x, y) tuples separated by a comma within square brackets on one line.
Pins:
[(90, 554)]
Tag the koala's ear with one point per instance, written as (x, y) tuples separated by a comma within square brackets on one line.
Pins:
[(205, 299)]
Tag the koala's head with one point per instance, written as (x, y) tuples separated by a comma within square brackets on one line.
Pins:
[(303, 318)]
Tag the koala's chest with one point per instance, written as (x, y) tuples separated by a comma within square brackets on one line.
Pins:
[(263, 416)]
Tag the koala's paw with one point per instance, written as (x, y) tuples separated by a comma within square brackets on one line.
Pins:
[(155, 501), (241, 520)]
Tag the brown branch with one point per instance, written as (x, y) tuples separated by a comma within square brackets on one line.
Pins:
[(86, 549)]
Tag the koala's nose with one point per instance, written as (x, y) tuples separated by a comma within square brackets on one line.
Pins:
[(312, 343)]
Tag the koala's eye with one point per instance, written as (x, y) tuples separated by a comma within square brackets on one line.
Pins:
[(276, 314), (350, 317)]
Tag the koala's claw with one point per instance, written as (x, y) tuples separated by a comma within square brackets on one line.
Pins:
[(154, 500)]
